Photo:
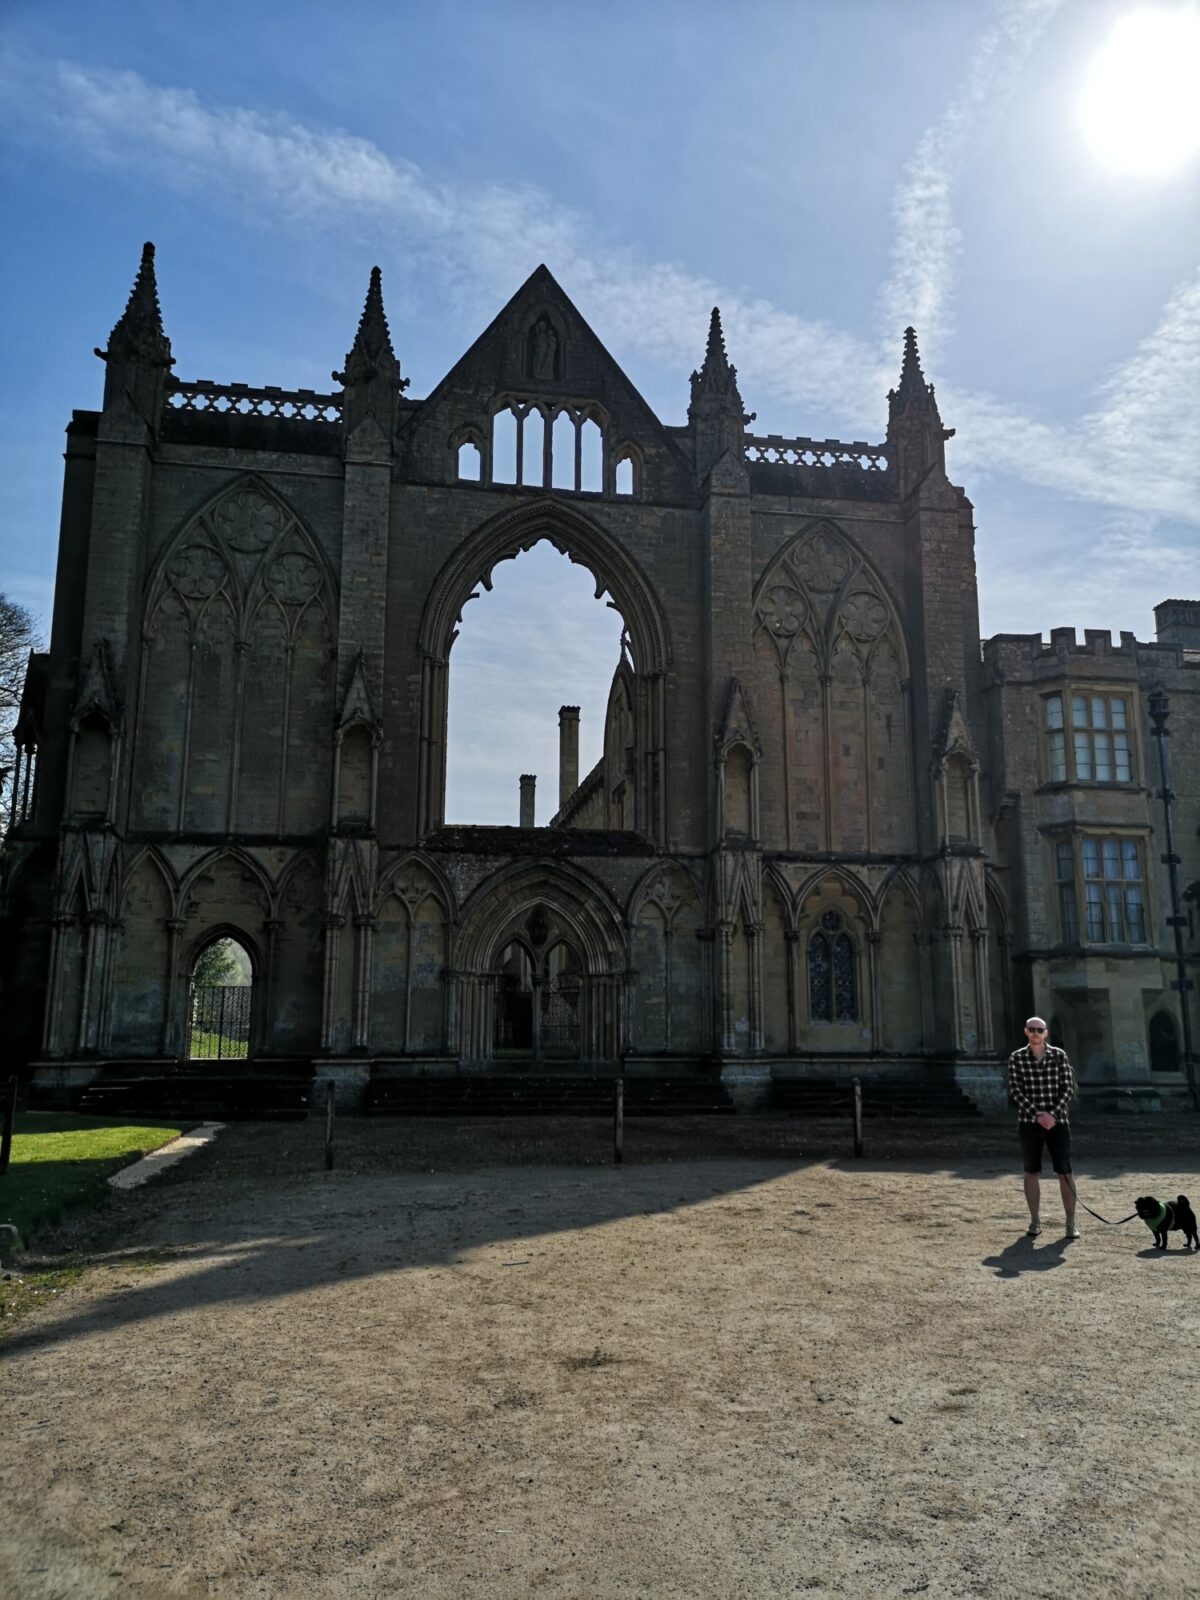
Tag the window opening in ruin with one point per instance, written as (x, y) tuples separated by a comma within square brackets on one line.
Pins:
[(533, 447), (470, 462), (591, 457), (562, 462), (537, 641), (219, 1000), (623, 481), (539, 444), (504, 447)]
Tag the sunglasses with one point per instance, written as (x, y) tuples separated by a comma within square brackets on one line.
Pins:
[(1035, 1030)]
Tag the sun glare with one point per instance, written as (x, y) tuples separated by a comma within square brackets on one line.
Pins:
[(1141, 99)]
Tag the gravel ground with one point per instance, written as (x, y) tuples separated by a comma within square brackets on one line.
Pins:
[(478, 1359)]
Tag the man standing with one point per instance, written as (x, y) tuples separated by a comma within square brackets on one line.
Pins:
[(1041, 1083)]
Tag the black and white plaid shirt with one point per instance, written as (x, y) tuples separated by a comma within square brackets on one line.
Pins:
[(1045, 1085)]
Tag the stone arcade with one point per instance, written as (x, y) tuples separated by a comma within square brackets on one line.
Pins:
[(828, 831)]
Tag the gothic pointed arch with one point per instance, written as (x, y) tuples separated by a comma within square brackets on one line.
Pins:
[(577, 537), (414, 877), (824, 617), (617, 574), (240, 615)]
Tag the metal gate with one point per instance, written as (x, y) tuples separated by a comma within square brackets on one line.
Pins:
[(560, 1017), (220, 1022)]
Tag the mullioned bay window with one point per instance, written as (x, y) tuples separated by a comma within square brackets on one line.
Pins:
[(1099, 749), (1101, 889)]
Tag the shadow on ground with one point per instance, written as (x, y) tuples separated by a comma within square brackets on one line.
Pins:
[(257, 1208)]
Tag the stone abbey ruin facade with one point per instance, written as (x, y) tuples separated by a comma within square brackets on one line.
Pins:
[(829, 830)]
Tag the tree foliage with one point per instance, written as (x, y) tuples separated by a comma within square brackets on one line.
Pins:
[(18, 636), (222, 962)]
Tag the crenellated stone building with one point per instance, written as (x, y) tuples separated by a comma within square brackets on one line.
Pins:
[(828, 831)]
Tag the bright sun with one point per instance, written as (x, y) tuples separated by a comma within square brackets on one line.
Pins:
[(1141, 99)]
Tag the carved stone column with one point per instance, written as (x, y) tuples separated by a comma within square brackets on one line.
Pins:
[(332, 924), (754, 943), (728, 1041), (955, 937), (875, 978), (791, 940), (364, 942), (176, 999)]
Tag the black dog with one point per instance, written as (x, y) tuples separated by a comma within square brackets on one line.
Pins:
[(1162, 1219)]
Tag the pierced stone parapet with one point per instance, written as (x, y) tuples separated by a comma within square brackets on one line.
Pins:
[(253, 400), (774, 449)]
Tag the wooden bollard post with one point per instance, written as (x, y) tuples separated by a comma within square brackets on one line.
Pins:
[(10, 1111), (619, 1122), (858, 1133), (329, 1125)]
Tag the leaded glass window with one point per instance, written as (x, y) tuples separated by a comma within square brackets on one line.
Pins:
[(832, 972), (845, 984), (820, 989), (1113, 889)]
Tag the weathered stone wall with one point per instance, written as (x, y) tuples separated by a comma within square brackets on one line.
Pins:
[(821, 828)]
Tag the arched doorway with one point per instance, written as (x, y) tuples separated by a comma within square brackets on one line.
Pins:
[(220, 997), (541, 963), (512, 1030), (537, 1007), (1164, 1043)]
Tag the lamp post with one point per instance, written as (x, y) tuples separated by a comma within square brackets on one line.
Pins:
[(1160, 708)]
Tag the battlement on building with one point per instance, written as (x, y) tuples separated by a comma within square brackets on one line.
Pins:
[(1011, 653)]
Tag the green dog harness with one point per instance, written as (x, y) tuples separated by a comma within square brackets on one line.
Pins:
[(1164, 1212)]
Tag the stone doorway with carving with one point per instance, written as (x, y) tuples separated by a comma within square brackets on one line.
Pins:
[(541, 971)]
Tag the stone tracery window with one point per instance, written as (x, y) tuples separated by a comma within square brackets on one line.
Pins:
[(832, 973)]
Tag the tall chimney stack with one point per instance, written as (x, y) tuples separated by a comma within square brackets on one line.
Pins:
[(568, 753), (528, 784)]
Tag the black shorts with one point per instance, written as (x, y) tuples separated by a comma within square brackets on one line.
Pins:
[(1035, 1139)]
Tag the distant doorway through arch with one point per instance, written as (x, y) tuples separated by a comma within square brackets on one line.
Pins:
[(220, 998), (537, 1010)]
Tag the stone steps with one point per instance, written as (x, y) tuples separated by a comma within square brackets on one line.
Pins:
[(198, 1097), (507, 1094), (881, 1097)]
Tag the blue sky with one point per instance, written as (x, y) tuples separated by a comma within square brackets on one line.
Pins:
[(826, 172)]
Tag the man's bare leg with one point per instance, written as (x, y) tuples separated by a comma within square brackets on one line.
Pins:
[(1033, 1193), (1068, 1197)]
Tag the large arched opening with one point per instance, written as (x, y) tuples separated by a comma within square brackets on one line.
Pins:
[(636, 673)]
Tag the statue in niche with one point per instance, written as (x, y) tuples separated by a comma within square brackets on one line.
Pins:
[(543, 350)]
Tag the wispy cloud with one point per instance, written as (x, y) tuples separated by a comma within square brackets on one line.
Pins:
[(1132, 450), (927, 242)]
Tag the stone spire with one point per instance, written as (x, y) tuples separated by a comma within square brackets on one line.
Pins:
[(372, 378), (916, 438), (716, 377), (138, 356), (913, 393), (716, 414)]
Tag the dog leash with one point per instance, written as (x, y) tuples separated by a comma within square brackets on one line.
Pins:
[(1096, 1214)]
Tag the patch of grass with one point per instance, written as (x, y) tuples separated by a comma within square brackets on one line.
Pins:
[(20, 1292), (209, 1046), (60, 1162)]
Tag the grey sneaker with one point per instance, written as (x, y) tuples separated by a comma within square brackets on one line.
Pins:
[(1032, 1231), (1072, 1228)]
